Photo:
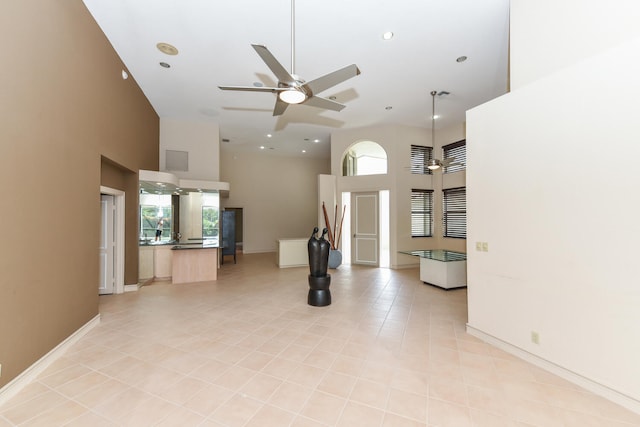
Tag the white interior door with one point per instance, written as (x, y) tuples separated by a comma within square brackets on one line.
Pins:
[(364, 224), (107, 245)]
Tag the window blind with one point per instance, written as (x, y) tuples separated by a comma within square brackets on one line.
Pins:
[(420, 155), (421, 213), (455, 213), (457, 151)]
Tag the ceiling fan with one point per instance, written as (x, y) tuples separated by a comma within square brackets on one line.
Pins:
[(291, 88)]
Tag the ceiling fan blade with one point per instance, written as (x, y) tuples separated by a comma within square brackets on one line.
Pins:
[(280, 107), (252, 88), (316, 101), (332, 79), (448, 161), (276, 68)]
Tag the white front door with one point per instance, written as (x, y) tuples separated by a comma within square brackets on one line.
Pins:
[(364, 220), (107, 245)]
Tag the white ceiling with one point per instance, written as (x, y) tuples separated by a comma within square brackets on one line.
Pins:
[(214, 41)]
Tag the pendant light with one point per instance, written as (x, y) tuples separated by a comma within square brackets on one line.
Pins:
[(433, 164)]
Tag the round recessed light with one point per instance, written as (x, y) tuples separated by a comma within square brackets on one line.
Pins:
[(304, 151), (316, 140), (167, 49), (461, 58), (269, 135), (262, 147), (388, 35), (165, 65), (125, 75)]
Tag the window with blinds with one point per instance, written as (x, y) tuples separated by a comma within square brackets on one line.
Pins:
[(421, 213), (458, 152), (420, 155), (455, 212)]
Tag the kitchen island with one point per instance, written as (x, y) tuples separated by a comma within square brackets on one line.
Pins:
[(194, 262)]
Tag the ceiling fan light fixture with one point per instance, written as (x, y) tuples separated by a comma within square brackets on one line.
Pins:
[(433, 164), (292, 96)]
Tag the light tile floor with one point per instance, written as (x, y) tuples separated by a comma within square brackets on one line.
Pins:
[(248, 351)]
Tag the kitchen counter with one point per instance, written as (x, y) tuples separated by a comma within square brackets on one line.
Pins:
[(195, 246), (156, 259)]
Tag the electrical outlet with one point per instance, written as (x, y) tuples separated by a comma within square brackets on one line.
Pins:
[(478, 246), (535, 337), (485, 247)]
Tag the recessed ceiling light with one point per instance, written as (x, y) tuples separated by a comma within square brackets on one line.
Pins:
[(461, 58), (436, 117), (125, 75), (269, 135), (167, 49), (304, 151), (165, 65), (387, 35), (316, 140), (262, 147)]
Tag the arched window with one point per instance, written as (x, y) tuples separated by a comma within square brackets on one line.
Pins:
[(364, 158)]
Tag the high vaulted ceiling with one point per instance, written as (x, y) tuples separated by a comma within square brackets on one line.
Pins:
[(214, 38)]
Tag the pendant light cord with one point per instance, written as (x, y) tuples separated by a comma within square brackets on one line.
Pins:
[(433, 118), (293, 37)]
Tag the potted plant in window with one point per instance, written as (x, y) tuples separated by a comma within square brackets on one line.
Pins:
[(333, 235)]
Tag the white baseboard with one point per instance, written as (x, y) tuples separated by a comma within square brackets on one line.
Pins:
[(584, 382), (31, 373), (133, 288), (259, 251)]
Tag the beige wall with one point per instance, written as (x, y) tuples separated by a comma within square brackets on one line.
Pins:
[(553, 188), (279, 195), (200, 139), (64, 108), (397, 141)]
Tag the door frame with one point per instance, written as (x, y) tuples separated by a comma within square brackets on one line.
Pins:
[(118, 259)]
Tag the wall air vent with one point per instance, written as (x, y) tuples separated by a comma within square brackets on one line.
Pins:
[(177, 160)]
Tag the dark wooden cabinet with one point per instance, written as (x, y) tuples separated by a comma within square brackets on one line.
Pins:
[(228, 229)]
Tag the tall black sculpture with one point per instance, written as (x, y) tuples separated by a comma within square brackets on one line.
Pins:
[(319, 280)]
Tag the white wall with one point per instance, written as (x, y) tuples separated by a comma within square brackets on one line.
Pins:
[(200, 139), (397, 141), (279, 196), (551, 34), (553, 188)]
